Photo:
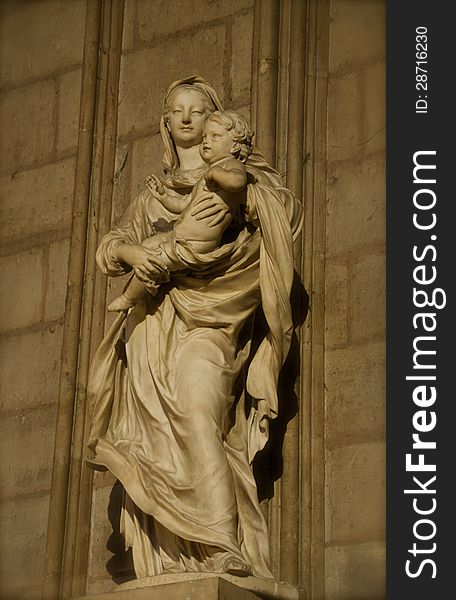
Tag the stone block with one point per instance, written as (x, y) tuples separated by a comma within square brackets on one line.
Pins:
[(36, 356), (345, 117), (101, 531), (121, 196), (147, 154), (357, 33), (355, 393), (336, 304), (103, 479), (241, 58), (21, 289), (194, 586), (36, 201), (373, 84), (355, 494), (39, 38), (115, 287), (56, 280), (162, 17), (368, 301), (23, 470), (22, 544), (69, 100), (209, 589), (27, 125), (356, 572), (356, 209), (130, 25), (243, 110), (143, 80)]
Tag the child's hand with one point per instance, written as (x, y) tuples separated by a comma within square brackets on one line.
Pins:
[(156, 188), (141, 259)]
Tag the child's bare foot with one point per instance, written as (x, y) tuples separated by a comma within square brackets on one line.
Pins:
[(122, 303)]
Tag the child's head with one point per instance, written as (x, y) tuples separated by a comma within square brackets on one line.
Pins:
[(224, 134)]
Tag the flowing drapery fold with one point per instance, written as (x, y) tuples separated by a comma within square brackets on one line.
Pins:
[(171, 418)]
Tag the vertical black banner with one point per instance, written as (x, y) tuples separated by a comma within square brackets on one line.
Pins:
[(421, 371)]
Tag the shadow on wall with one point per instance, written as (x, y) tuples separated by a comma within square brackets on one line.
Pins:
[(268, 464), (120, 565)]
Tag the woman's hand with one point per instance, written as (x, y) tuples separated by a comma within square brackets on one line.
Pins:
[(210, 205), (142, 260)]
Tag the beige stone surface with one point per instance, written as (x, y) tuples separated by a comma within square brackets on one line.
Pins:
[(39, 38), (146, 159), (29, 368), (22, 545), (356, 204), (26, 448), (101, 530), (142, 88), (265, 588), (21, 289), (69, 94), (45, 195), (355, 494), (368, 298), (336, 304), (163, 18), (130, 25), (56, 280), (355, 393), (345, 127), (241, 57), (27, 124), (355, 366), (209, 589), (373, 84), (356, 572), (121, 196), (358, 33)]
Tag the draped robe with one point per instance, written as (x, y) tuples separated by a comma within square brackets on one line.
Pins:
[(171, 417)]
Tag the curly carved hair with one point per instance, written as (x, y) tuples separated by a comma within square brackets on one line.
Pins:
[(238, 128)]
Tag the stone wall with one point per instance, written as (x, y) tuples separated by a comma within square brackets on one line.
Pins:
[(41, 58), (355, 303), (41, 50), (163, 41)]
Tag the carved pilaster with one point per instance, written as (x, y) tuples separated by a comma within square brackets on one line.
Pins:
[(69, 516), (290, 78)]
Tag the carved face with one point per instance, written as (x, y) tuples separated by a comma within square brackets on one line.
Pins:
[(217, 142), (187, 113)]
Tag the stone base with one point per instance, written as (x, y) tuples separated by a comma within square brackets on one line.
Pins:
[(200, 586)]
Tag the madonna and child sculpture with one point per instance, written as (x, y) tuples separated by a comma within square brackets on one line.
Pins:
[(180, 401)]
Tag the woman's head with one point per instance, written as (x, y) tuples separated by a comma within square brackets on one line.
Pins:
[(186, 110), (193, 96)]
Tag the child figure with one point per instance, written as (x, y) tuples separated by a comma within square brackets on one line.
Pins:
[(226, 143)]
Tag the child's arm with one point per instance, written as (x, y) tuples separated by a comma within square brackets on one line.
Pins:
[(233, 178)]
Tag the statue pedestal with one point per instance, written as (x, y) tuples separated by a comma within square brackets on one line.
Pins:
[(200, 586)]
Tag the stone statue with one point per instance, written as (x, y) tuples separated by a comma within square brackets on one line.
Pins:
[(180, 401), (226, 136)]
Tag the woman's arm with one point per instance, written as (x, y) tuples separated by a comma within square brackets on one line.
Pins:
[(133, 228)]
